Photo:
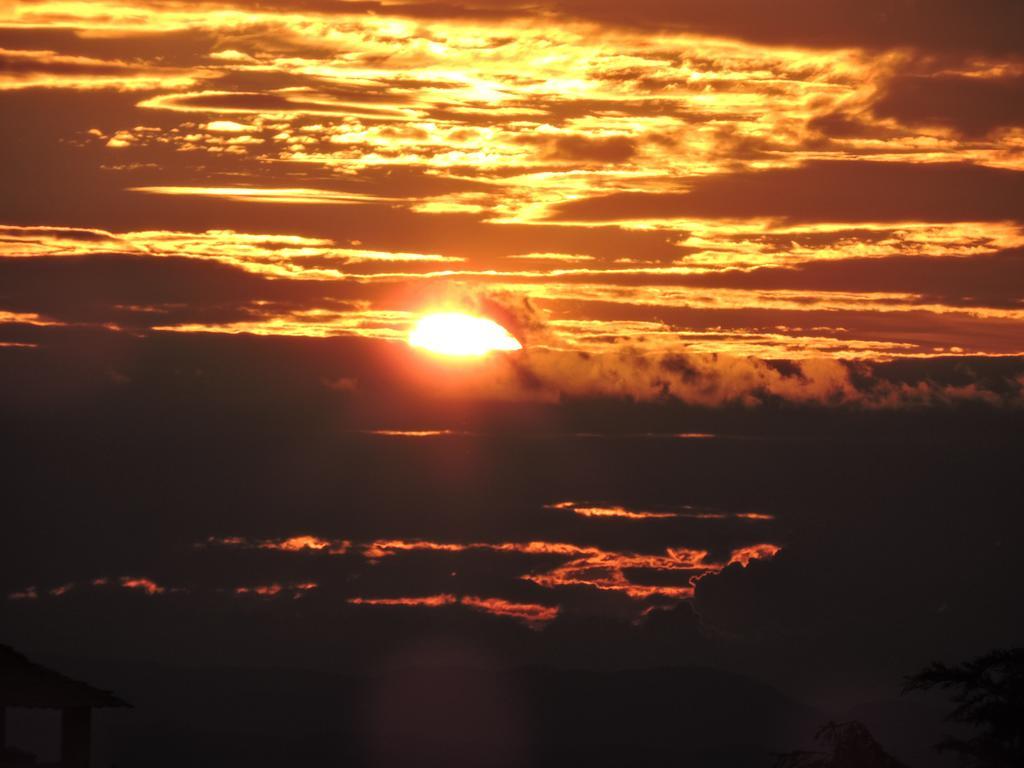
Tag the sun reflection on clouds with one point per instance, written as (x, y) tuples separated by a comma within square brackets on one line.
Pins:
[(302, 543), (576, 566), (531, 614), (622, 512), (591, 566)]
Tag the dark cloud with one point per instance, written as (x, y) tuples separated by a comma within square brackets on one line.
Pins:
[(616, 149), (262, 102), (992, 280), (919, 582), (842, 125), (922, 331), (973, 106), (943, 25), (140, 291), (170, 48), (474, 9), (827, 190), (715, 379), (20, 63)]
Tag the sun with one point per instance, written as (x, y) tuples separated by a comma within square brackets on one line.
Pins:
[(454, 334)]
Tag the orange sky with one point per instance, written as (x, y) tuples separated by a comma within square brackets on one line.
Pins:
[(693, 182)]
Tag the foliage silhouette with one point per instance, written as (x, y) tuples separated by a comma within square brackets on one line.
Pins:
[(989, 694)]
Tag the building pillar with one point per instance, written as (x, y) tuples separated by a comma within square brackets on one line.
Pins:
[(75, 737)]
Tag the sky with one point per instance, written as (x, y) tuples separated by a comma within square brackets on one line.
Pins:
[(764, 261)]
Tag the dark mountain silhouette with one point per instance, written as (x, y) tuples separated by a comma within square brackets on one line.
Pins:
[(846, 745)]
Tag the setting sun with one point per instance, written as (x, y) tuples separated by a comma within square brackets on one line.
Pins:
[(459, 335)]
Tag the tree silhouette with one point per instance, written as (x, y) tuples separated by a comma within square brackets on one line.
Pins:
[(989, 694), (850, 745)]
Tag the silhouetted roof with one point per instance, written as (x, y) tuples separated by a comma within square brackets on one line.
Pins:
[(26, 684)]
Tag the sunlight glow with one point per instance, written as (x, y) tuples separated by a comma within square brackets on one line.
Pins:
[(458, 335)]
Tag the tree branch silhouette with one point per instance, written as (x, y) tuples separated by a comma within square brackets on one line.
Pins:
[(988, 694)]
